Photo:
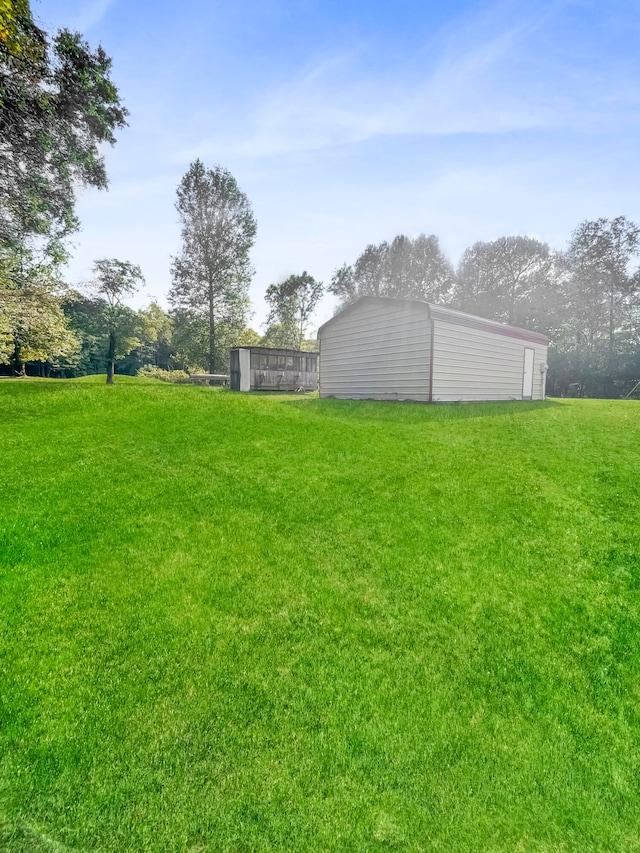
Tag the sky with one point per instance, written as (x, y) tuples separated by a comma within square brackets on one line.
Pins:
[(347, 123)]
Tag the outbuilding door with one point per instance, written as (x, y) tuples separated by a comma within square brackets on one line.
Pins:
[(527, 374)]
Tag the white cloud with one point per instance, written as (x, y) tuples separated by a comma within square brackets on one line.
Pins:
[(496, 73)]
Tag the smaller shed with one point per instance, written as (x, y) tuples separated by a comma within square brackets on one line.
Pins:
[(270, 369), (405, 349)]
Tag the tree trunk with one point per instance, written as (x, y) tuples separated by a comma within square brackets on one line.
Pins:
[(111, 358), (609, 389), (612, 325), (18, 364), (212, 334)]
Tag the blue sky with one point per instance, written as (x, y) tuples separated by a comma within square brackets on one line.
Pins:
[(347, 123)]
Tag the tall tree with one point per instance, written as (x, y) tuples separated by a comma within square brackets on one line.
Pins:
[(58, 107), (605, 284), (292, 303), (404, 268), (211, 275), (513, 280), (430, 271), (113, 280)]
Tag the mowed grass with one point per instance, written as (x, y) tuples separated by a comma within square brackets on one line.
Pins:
[(253, 623)]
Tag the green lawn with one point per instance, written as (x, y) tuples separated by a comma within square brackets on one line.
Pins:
[(252, 623)]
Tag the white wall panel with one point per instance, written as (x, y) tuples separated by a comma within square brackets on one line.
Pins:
[(377, 350), (476, 364)]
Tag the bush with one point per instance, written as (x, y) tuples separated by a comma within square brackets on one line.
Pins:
[(151, 372)]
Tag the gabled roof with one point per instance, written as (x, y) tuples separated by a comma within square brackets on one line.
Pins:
[(448, 315)]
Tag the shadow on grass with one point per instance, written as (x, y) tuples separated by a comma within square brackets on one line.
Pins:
[(387, 410)]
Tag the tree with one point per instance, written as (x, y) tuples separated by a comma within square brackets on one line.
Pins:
[(513, 280), (364, 278), (431, 275), (343, 284), (86, 318), (248, 338), (145, 337), (605, 288), (58, 107), (113, 280), (404, 268), (211, 275), (292, 304), (6, 336), (33, 326), (156, 328), (276, 336), (190, 342)]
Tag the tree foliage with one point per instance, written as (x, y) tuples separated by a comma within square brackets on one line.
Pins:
[(292, 303), (599, 341), (248, 338), (145, 338), (512, 280), (113, 280), (16, 27), (404, 268), (33, 325), (156, 330), (190, 342), (587, 299), (58, 107), (604, 285), (212, 272)]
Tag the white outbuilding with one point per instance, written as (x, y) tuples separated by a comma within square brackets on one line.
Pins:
[(404, 349)]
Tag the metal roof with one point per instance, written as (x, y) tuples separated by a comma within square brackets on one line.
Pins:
[(449, 315)]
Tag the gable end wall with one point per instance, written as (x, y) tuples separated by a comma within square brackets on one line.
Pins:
[(377, 350)]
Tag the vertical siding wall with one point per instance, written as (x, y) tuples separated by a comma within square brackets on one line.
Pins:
[(377, 350), (475, 364), (245, 369)]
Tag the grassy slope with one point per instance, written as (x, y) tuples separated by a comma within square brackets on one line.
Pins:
[(276, 623)]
